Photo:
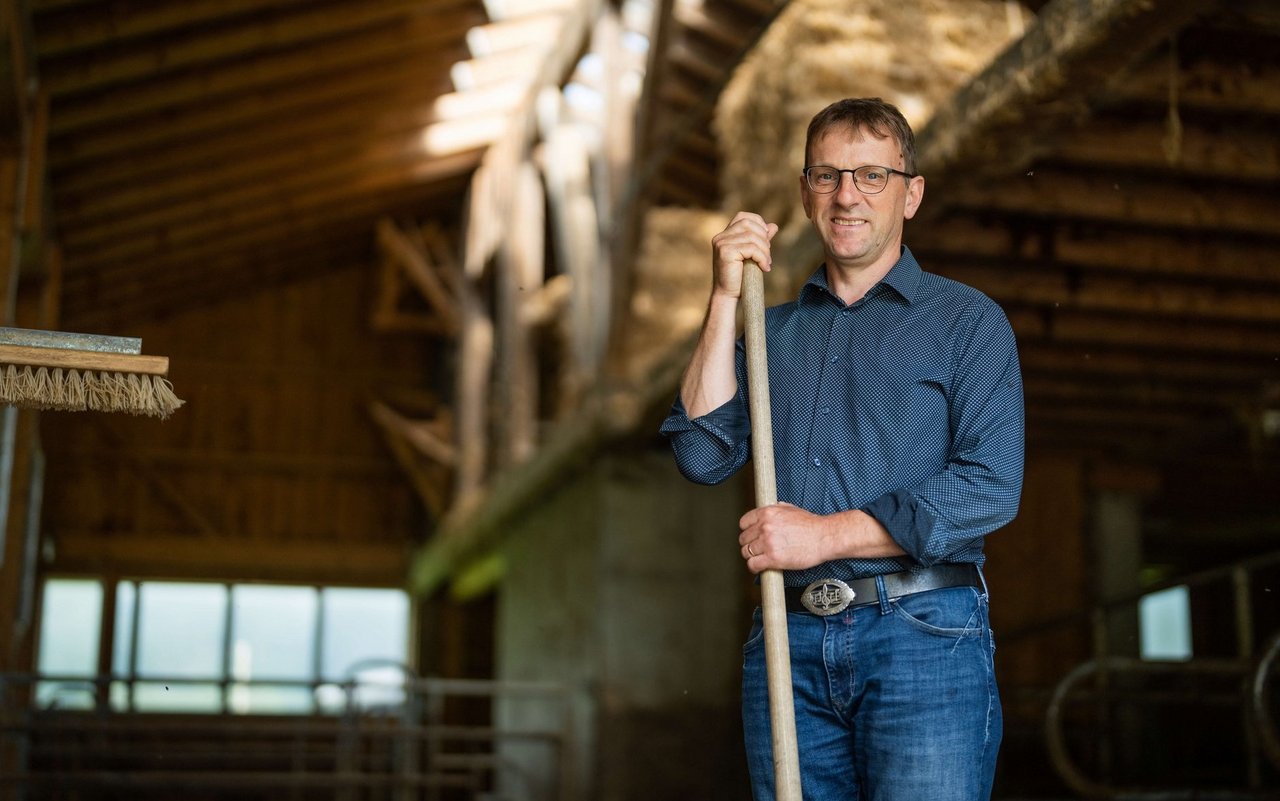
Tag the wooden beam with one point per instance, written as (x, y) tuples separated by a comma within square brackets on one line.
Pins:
[(1242, 150), (545, 304), (421, 434), (92, 25), (206, 195), (422, 274), (1068, 62), (476, 73), (724, 25), (487, 201), (242, 137), (520, 273), (1104, 247), (473, 392), (514, 34), (176, 53), (239, 214), (1130, 199), (566, 166), (318, 232), (700, 63), (410, 441), (167, 460), (1017, 282), (1104, 365), (171, 555), (365, 93), (1202, 337), (1245, 88), (288, 68)]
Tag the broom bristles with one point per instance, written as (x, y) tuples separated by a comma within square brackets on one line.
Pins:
[(87, 390)]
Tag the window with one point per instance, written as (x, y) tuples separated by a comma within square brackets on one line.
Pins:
[(69, 632), (179, 640), (208, 647), (273, 639), (1165, 624)]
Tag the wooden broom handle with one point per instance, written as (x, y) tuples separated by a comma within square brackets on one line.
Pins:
[(777, 650), (84, 360)]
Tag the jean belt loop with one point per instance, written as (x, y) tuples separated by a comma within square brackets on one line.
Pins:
[(982, 578), (884, 596)]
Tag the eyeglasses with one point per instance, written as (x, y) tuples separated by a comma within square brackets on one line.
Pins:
[(869, 179)]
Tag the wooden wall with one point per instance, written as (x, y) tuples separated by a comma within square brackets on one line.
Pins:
[(273, 469)]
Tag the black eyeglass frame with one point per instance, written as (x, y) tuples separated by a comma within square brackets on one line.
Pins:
[(852, 174)]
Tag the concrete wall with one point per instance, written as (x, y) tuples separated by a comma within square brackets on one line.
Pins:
[(626, 586)]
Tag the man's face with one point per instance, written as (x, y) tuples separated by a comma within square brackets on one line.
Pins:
[(860, 230)]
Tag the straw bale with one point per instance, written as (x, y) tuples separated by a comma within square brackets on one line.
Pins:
[(671, 283), (913, 53)]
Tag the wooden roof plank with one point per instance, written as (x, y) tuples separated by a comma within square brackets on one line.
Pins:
[(1064, 66), (291, 68), (1133, 200), (188, 216), (254, 38)]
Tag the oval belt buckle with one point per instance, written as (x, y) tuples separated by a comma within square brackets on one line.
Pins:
[(827, 597)]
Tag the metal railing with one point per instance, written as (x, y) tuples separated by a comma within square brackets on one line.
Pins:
[(386, 740), (1237, 686)]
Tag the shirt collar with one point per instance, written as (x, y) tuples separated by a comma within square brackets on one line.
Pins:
[(903, 278)]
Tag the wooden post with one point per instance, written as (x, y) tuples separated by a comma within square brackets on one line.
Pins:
[(520, 275)]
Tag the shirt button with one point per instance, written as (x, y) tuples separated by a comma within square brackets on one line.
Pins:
[(825, 410), (835, 359), (817, 462)]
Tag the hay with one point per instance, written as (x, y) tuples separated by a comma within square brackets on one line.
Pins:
[(913, 53), (672, 281)]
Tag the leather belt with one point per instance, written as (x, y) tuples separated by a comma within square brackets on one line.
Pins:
[(831, 596)]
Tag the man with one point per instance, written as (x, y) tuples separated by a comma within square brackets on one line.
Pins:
[(898, 427)]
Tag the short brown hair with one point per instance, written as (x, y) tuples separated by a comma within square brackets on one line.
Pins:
[(870, 114)]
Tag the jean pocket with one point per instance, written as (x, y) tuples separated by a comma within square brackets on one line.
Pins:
[(949, 612), (755, 637)]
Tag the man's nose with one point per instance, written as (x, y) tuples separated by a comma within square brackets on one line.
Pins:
[(847, 191)]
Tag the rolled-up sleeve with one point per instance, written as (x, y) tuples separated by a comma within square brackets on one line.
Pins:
[(710, 448)]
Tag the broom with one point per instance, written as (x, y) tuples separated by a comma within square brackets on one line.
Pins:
[(80, 372)]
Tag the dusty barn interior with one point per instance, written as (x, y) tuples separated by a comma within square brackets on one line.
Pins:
[(426, 273)]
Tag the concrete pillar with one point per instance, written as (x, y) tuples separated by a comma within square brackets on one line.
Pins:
[(627, 588), (1117, 541), (1117, 547)]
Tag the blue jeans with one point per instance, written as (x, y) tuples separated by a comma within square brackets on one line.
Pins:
[(894, 701)]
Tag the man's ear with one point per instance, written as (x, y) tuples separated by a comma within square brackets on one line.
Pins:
[(915, 196)]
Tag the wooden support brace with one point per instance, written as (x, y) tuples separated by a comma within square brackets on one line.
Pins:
[(424, 275), (409, 442)]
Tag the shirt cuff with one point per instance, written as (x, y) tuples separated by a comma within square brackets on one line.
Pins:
[(727, 423), (909, 522)]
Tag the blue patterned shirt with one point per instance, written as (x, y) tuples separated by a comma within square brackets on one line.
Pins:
[(906, 404)]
